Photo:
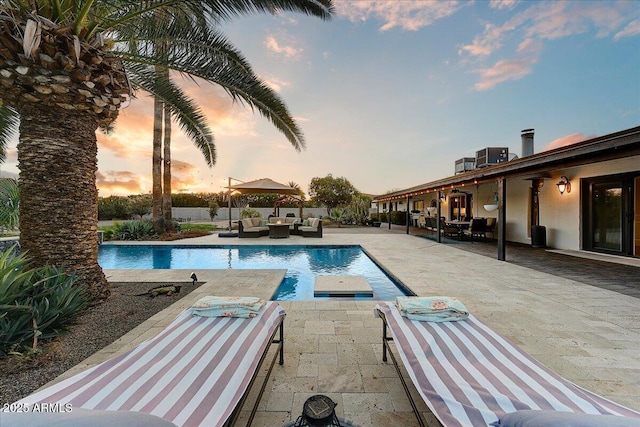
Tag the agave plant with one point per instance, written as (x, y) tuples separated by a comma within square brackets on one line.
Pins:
[(35, 303), (9, 204), (68, 66)]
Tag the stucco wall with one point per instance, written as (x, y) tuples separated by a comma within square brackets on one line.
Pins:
[(559, 214)]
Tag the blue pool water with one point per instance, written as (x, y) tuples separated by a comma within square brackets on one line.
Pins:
[(302, 263)]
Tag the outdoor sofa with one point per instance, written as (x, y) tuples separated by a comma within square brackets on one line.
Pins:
[(257, 227), (311, 227)]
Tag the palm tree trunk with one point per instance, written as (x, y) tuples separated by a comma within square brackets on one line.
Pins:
[(166, 174), (156, 209), (57, 156)]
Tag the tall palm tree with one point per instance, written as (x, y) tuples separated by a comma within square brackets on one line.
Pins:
[(161, 157), (67, 67)]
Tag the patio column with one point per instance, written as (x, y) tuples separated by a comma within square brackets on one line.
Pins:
[(408, 214), (438, 213), (502, 219)]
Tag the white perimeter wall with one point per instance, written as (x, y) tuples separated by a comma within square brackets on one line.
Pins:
[(202, 214)]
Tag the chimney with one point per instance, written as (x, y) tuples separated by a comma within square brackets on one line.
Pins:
[(527, 142)]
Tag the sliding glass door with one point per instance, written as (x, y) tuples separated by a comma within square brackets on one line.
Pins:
[(610, 215), (607, 217)]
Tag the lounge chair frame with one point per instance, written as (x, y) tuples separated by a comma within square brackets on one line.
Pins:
[(461, 393), (160, 345), (233, 418), (387, 349)]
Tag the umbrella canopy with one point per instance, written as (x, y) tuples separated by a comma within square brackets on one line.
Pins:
[(264, 185)]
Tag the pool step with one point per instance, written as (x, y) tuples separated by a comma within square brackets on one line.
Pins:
[(341, 286)]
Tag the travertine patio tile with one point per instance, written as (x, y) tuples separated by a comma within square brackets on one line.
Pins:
[(307, 370), (374, 385), (378, 370), (387, 419), (317, 358), (339, 379), (356, 353), (266, 419), (283, 384), (358, 407), (279, 401), (586, 334), (319, 327)]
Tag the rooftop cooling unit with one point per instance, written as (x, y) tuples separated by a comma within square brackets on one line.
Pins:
[(491, 156), (465, 164)]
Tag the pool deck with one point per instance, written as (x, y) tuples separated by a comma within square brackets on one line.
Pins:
[(585, 333)]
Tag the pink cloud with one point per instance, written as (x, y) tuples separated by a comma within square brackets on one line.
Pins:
[(408, 15), (567, 140), (504, 70), (632, 29), (503, 4), (288, 51)]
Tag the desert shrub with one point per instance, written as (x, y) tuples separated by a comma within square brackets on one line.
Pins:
[(114, 207), (35, 304), (249, 213), (213, 209), (184, 200), (140, 205), (399, 218), (134, 230)]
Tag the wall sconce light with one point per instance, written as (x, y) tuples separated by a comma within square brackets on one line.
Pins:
[(564, 185)]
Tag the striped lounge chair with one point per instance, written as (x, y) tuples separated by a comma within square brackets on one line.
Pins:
[(195, 372), (468, 375)]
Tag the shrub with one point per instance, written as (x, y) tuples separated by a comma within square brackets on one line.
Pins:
[(134, 230), (399, 218), (249, 213), (114, 207), (140, 205), (184, 200), (36, 304), (213, 209)]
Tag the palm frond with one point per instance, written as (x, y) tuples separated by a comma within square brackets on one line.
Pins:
[(9, 125), (190, 118), (207, 55)]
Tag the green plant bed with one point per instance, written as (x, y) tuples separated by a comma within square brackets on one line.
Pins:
[(205, 227)]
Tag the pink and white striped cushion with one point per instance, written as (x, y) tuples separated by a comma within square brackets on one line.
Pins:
[(469, 375), (193, 373)]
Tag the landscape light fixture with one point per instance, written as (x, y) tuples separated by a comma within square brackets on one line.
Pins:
[(564, 185)]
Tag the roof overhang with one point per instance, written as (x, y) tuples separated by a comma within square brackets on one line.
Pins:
[(609, 147)]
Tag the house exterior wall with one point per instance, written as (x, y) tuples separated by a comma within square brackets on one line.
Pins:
[(560, 214)]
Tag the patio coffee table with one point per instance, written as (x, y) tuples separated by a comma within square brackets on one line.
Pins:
[(278, 231)]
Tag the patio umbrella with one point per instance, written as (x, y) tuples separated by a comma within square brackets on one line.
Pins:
[(259, 186), (264, 185)]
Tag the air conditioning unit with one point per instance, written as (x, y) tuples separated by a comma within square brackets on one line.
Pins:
[(491, 156), (465, 164)]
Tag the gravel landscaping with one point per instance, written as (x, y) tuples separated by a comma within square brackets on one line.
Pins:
[(98, 327)]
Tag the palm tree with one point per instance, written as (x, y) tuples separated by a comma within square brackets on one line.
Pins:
[(297, 187), (66, 68), (161, 157)]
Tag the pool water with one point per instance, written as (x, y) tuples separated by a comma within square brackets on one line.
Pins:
[(302, 263)]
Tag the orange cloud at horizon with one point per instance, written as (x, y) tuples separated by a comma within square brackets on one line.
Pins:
[(111, 183)]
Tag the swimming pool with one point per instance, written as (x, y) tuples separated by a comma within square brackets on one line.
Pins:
[(302, 263)]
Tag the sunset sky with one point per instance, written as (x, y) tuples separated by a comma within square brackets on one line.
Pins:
[(390, 93)]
